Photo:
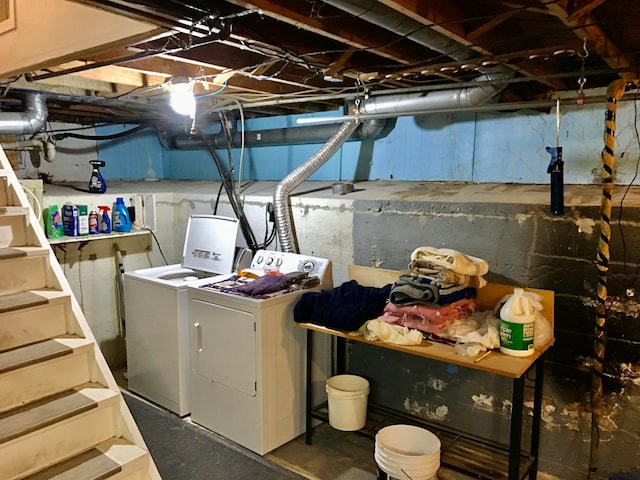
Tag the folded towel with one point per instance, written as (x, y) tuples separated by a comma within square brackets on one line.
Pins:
[(452, 259), (411, 289)]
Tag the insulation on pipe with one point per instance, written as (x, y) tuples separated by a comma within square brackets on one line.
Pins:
[(614, 93)]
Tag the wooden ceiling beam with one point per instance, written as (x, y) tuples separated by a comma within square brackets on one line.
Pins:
[(358, 36), (586, 27)]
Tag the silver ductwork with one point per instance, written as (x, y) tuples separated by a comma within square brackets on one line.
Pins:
[(379, 14), (27, 122), (371, 129), (398, 105), (283, 221)]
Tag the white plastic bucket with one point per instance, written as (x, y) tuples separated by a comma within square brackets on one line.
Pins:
[(347, 398), (407, 452)]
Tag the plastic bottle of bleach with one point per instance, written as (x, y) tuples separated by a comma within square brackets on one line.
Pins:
[(121, 221), (105, 221), (517, 325)]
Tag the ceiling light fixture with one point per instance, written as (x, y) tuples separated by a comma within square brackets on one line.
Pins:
[(181, 96)]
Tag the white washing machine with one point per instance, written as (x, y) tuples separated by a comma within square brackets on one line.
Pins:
[(248, 358), (157, 332)]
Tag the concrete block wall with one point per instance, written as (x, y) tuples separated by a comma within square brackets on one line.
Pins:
[(510, 226)]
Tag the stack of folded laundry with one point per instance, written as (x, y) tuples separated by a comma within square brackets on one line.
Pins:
[(439, 288)]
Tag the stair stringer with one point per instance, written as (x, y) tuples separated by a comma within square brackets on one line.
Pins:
[(124, 423)]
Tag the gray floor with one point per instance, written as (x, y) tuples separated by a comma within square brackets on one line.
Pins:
[(185, 451)]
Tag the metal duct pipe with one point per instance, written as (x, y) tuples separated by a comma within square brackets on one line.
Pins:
[(371, 129), (375, 12), (30, 121), (283, 190), (396, 105)]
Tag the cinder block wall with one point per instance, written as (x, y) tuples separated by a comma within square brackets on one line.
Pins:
[(524, 245)]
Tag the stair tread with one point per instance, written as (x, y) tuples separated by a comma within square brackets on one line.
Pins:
[(45, 412), (99, 463), (38, 352), (7, 253), (20, 300), (13, 210)]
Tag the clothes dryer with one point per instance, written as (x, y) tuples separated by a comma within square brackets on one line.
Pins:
[(248, 357), (157, 335)]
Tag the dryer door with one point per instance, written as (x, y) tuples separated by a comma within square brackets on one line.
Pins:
[(223, 345)]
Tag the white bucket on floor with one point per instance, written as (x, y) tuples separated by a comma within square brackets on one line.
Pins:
[(407, 452), (347, 398)]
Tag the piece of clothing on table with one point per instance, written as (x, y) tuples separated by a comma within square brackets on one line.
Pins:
[(345, 307)]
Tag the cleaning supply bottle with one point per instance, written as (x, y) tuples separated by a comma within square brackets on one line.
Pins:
[(94, 223), (121, 222), (70, 219), (53, 222), (105, 221), (517, 325), (96, 181), (83, 220)]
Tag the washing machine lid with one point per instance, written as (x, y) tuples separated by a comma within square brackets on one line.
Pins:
[(210, 243)]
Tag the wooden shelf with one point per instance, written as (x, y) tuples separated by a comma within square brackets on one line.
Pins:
[(99, 236)]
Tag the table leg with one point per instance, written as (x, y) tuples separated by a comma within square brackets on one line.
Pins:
[(309, 398), (515, 437), (537, 413)]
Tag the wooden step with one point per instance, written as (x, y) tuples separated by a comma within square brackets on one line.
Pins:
[(23, 268), (55, 429), (43, 369), (14, 222), (33, 316), (113, 459)]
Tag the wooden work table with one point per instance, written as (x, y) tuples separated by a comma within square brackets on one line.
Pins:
[(497, 461)]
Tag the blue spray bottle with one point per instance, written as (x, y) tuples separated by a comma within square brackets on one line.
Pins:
[(105, 222), (96, 181)]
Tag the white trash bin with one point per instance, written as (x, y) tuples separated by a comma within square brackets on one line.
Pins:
[(347, 397)]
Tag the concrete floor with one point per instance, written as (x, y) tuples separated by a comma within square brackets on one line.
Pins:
[(333, 454)]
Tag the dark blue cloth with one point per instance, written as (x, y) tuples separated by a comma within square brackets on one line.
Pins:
[(346, 307)]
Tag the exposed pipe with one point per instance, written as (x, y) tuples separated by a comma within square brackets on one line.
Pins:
[(375, 12), (30, 121), (283, 221), (371, 129), (48, 148), (397, 105)]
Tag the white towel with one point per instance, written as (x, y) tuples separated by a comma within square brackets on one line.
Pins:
[(386, 332), (451, 259)]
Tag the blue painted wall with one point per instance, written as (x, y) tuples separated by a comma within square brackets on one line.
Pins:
[(503, 147)]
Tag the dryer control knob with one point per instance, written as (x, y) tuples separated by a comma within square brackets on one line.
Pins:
[(307, 266)]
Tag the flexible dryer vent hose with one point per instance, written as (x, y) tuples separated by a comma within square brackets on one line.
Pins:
[(283, 220), (614, 93)]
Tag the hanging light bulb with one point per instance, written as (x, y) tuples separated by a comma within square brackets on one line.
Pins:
[(181, 97)]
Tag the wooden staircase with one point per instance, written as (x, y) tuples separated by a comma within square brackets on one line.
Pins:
[(62, 415)]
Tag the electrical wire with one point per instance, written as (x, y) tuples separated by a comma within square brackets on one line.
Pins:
[(35, 199), (62, 136), (157, 243), (626, 191)]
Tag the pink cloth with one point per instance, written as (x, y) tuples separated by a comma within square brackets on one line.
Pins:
[(426, 318)]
